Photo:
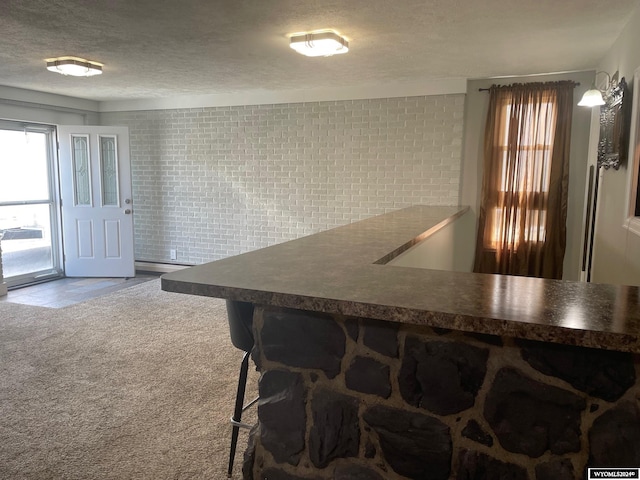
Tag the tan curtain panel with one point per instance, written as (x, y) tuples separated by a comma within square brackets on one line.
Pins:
[(522, 217)]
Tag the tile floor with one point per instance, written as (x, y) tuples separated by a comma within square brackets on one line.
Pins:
[(68, 291)]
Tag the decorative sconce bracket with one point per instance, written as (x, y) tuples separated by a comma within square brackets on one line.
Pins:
[(614, 127)]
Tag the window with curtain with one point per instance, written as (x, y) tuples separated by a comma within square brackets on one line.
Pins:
[(522, 217)]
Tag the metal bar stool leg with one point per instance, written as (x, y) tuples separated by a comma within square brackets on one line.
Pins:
[(237, 413)]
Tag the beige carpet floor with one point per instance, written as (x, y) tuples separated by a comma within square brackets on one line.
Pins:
[(138, 384)]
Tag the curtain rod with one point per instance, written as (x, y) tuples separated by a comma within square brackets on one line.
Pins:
[(577, 84)]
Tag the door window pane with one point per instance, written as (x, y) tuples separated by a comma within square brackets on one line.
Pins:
[(109, 171), (81, 170)]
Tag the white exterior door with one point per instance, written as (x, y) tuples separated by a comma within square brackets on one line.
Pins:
[(97, 210)]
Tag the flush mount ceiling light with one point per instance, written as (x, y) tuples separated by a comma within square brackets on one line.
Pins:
[(77, 67), (319, 44)]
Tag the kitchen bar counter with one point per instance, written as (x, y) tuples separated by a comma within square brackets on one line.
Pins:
[(343, 271), (370, 370)]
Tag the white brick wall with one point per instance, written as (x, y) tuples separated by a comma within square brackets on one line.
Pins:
[(214, 182)]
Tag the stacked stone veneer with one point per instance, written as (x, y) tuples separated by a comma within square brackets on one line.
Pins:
[(346, 398)]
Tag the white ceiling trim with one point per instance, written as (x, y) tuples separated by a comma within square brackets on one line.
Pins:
[(50, 99), (264, 97)]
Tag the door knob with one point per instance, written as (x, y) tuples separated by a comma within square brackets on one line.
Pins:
[(127, 211), (127, 201)]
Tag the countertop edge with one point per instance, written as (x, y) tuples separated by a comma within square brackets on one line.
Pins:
[(607, 317)]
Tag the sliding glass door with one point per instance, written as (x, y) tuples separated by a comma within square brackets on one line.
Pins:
[(29, 235)]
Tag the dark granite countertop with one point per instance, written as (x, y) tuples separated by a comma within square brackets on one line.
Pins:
[(342, 271)]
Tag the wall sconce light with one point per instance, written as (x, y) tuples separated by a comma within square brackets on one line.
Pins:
[(595, 97), (74, 66), (319, 44)]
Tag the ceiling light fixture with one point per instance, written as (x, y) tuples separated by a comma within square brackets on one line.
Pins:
[(595, 96), (322, 43), (77, 67)]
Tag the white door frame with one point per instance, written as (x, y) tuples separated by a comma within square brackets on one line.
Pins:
[(54, 203)]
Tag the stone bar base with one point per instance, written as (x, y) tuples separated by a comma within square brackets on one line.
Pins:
[(347, 398)]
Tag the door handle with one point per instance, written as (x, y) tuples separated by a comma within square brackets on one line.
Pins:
[(127, 211)]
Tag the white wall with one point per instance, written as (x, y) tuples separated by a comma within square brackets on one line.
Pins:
[(218, 181), (616, 256), (449, 249), (475, 119)]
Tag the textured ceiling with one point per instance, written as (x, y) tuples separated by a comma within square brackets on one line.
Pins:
[(166, 48)]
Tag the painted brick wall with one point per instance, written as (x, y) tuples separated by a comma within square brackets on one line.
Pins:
[(214, 182)]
